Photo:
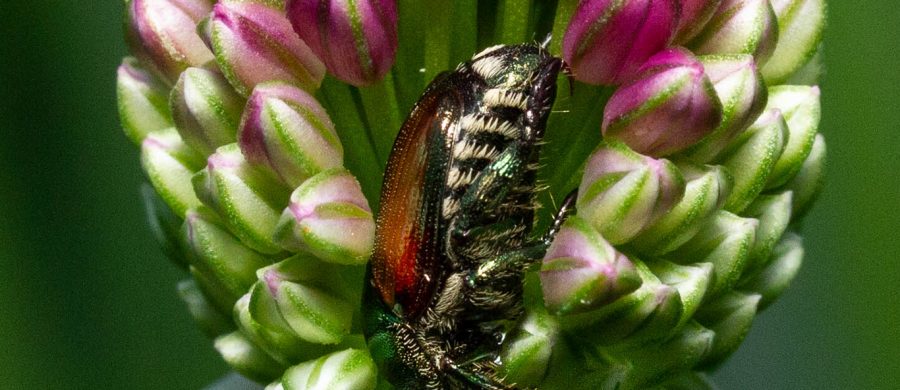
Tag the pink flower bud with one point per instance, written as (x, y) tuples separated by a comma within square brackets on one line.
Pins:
[(255, 44), (740, 27), (286, 130), (607, 41), (670, 106), (582, 271), (694, 16), (163, 34), (357, 40)]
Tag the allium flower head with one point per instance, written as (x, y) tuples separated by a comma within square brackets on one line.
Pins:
[(691, 156)]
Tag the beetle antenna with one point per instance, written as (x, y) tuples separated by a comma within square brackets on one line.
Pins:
[(546, 42)]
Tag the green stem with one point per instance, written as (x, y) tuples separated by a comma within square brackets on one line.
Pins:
[(437, 40), (465, 30), (382, 113), (573, 131), (513, 21), (359, 151), (410, 53), (564, 11)]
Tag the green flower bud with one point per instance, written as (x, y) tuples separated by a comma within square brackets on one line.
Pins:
[(622, 192), (704, 194), (213, 290), (649, 313), (777, 275), (773, 213), (348, 369), (247, 358), (740, 27), (752, 157), (801, 24), (801, 110), (162, 34), (169, 165), (282, 346), (730, 317), (142, 101), (725, 242), (329, 217), (220, 255), (210, 320), (691, 281), (310, 298), (286, 130), (526, 356), (808, 182), (165, 226), (249, 200), (206, 109), (743, 93), (581, 271), (656, 362), (254, 43)]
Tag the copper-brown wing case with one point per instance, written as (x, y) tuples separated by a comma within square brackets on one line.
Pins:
[(407, 264)]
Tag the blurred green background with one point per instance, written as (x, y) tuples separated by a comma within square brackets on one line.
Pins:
[(87, 300)]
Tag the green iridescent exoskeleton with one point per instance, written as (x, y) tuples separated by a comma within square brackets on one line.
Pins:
[(454, 234)]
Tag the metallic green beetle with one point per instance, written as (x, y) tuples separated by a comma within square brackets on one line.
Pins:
[(453, 233)]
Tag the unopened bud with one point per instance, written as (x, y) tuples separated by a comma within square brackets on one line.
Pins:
[(329, 217), (694, 16), (206, 109), (581, 271), (606, 41), (622, 192), (287, 131), (668, 107), (808, 182), (170, 164), (255, 43), (220, 255), (246, 358), (801, 24), (751, 158), (348, 369), (705, 193), (778, 273), (210, 320), (740, 27), (725, 242), (357, 40), (249, 200), (801, 109), (163, 34), (142, 99), (743, 94), (730, 316)]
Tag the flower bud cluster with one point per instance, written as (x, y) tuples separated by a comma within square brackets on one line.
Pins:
[(685, 216), (249, 190), (683, 224)]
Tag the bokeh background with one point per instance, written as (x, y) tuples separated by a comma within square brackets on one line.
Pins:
[(88, 301)]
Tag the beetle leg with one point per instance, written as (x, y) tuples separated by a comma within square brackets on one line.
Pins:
[(566, 209), (495, 286)]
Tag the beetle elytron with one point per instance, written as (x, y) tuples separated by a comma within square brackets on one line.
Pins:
[(453, 234)]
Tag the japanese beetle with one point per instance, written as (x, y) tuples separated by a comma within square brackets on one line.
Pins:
[(453, 234)]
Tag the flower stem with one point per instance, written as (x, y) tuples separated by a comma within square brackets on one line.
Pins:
[(410, 54), (380, 107), (577, 116), (437, 43), (465, 30), (513, 21), (356, 140), (564, 11)]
